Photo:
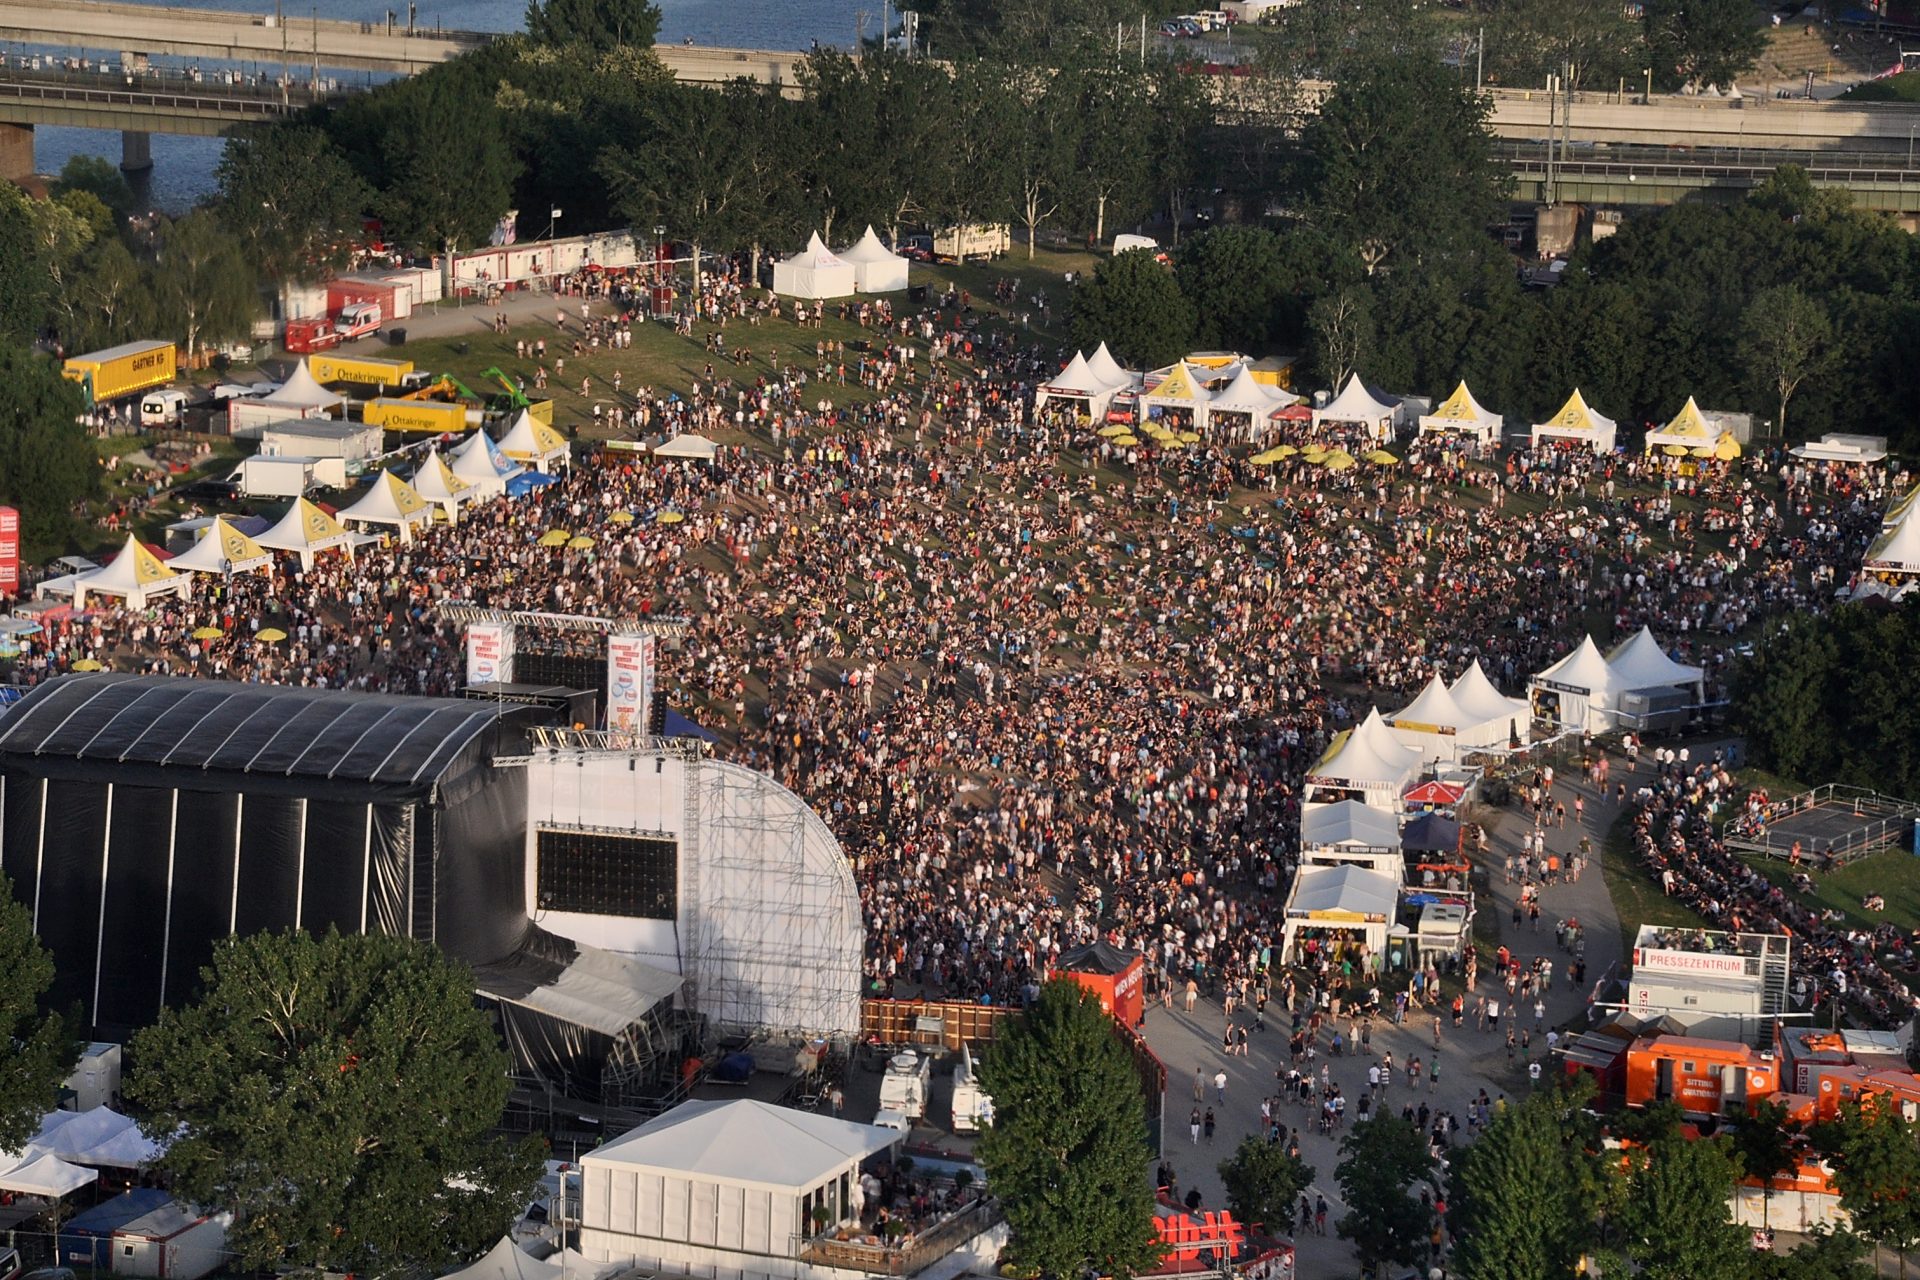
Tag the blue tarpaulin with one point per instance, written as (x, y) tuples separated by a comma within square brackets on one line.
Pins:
[(678, 726), (527, 481)]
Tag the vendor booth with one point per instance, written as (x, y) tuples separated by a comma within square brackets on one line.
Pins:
[(1500, 720), (1690, 430), (814, 272), (224, 550), (390, 503), (1432, 723), (1891, 566), (876, 268), (1358, 406), (1365, 763), (533, 443), (1079, 388), (1576, 423), (135, 576), (1651, 691), (688, 447), (1116, 977), (478, 461), (1575, 693), (1350, 831), (1348, 909), (306, 531), (1461, 417), (435, 481), (1177, 401), (1103, 366), (1245, 406)]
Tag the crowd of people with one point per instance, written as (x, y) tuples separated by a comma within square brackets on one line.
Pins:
[(1042, 696)]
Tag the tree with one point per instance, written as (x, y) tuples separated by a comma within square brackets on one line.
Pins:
[(1380, 1161), (1131, 303), (46, 462), (338, 1094), (1041, 141), (293, 200), (1520, 1209), (1765, 1144), (1876, 1165), (1675, 1221), (40, 1053), (23, 275), (1400, 165), (64, 228), (98, 177), (1589, 41), (600, 24), (1823, 1255), (1264, 1183), (1783, 341), (205, 289), (116, 298), (1236, 279), (1708, 43), (1115, 110), (1068, 1141), (1341, 325)]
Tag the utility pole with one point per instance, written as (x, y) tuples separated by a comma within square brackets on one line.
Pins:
[(1479, 59), (1143, 39), (1566, 119), (1553, 106), (860, 31), (314, 84)]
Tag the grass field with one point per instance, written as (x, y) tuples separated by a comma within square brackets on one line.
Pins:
[(1894, 874)]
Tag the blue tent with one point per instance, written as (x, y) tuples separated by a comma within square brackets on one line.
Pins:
[(678, 726), (527, 481), (86, 1240)]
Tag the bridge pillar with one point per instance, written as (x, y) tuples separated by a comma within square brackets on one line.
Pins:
[(16, 152), (136, 151)]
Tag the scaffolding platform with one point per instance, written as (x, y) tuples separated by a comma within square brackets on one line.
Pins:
[(1847, 822)]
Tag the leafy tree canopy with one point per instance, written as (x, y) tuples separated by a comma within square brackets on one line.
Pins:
[(1675, 1221), (1264, 1183), (339, 1094), (99, 177), (291, 197), (46, 462), (40, 1053), (1067, 1149), (1132, 303), (601, 24), (1520, 1208), (1380, 1163)]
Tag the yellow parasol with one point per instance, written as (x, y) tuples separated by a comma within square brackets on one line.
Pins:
[(1381, 458), (554, 538), (88, 664), (1171, 442), (1189, 437), (668, 517), (1675, 451), (208, 633), (1339, 462), (1726, 448), (1703, 451), (272, 635), (1127, 441), (1113, 429), (1338, 453), (1265, 459), (620, 517), (579, 542), (1283, 451)]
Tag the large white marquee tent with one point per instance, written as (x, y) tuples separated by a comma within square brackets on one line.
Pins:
[(1342, 899), (224, 550), (876, 268), (1584, 689), (134, 576), (1368, 762), (535, 444), (1247, 395), (390, 502), (306, 531), (814, 272)]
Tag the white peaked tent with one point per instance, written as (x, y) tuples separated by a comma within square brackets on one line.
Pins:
[(224, 550), (1498, 717), (435, 481), (506, 1261), (134, 577), (688, 447), (1640, 663), (45, 1175), (534, 443), (392, 502), (303, 391), (1103, 366), (1369, 761), (1576, 692), (814, 272), (306, 531), (1577, 421), (1247, 394), (1462, 415), (479, 462), (1341, 900), (1897, 509), (1360, 407), (1077, 382), (1689, 429), (876, 268), (1181, 389), (1897, 549), (1432, 723)]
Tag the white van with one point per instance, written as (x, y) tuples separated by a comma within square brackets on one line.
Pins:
[(162, 408)]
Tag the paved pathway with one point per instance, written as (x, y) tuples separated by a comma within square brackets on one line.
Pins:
[(1470, 1059)]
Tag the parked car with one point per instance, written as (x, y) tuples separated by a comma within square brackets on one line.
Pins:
[(210, 492)]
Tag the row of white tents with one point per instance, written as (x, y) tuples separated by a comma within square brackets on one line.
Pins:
[(70, 1149), (1891, 566), (1586, 690), (868, 266), (476, 469)]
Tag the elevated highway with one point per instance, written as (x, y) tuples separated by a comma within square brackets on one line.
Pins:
[(1881, 180)]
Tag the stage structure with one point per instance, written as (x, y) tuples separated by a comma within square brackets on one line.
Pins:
[(616, 658)]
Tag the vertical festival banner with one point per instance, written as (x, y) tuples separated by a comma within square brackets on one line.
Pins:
[(489, 653), (629, 682), (9, 552)]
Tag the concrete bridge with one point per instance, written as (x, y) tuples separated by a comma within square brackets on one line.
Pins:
[(1880, 180)]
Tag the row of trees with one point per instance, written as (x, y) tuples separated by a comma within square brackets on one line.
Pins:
[(339, 1093)]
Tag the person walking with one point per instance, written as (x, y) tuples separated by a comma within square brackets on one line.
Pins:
[(1193, 993), (1220, 1086), (1193, 1126), (1433, 1075), (1207, 1126)]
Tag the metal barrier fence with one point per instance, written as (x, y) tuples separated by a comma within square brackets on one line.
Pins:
[(1883, 821)]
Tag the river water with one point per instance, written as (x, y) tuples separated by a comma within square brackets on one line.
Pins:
[(183, 167)]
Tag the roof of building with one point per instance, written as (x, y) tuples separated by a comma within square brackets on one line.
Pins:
[(742, 1140)]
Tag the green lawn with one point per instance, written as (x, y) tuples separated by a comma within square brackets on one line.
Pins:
[(1894, 874), (1636, 895)]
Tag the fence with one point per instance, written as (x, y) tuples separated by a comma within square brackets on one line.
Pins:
[(1881, 821), (914, 1022), (911, 1254)]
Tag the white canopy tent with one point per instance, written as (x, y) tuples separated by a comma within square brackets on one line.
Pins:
[(814, 272), (1897, 550), (1078, 382), (1356, 405), (1462, 415), (1690, 429), (1341, 900), (1247, 395), (224, 550), (1351, 831), (506, 1261), (1576, 692), (45, 1175), (392, 503), (478, 461), (1103, 366), (1498, 717), (535, 444), (1640, 663), (306, 531), (1577, 422), (303, 394), (1432, 723), (1183, 390), (435, 481), (134, 577), (1366, 762), (876, 268), (695, 448)]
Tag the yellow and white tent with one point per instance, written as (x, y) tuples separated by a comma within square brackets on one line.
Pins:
[(393, 502), (1181, 389), (306, 531), (1689, 429), (224, 550), (435, 481), (1577, 421), (134, 576), (535, 444), (1462, 415)]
